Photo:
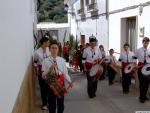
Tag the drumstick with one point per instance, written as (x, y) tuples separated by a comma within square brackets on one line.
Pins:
[(116, 52)]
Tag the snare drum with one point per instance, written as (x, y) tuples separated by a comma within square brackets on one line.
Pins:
[(96, 70), (129, 69), (146, 71)]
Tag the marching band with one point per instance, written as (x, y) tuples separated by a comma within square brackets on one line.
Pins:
[(52, 71)]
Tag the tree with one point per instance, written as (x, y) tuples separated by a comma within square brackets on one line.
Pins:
[(52, 10)]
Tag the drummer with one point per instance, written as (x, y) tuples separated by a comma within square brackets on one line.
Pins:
[(39, 55), (143, 56), (59, 65), (91, 55), (126, 57), (111, 61)]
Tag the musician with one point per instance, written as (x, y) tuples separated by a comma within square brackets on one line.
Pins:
[(91, 55), (126, 57), (39, 55), (80, 54), (143, 56), (66, 51), (58, 64), (111, 61), (101, 47)]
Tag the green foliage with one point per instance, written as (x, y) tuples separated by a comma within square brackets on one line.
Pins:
[(73, 43), (52, 11)]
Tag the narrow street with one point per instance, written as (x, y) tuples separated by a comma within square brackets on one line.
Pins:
[(110, 99)]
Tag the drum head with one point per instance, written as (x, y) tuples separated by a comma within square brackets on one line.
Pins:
[(146, 70), (94, 70), (129, 68)]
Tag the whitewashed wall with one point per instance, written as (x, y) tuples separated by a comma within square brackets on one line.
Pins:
[(16, 48), (118, 4), (115, 21), (88, 27)]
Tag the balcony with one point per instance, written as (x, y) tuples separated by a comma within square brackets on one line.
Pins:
[(81, 12), (92, 7)]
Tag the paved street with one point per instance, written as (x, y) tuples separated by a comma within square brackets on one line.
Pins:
[(109, 99)]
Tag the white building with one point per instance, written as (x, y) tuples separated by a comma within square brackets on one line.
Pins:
[(87, 17), (58, 31), (16, 47), (128, 22)]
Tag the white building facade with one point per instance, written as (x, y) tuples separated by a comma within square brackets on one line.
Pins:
[(16, 47), (87, 17), (128, 22)]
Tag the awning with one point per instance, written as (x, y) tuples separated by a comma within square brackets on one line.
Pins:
[(48, 25)]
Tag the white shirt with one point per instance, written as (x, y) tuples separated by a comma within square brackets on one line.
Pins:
[(40, 54), (90, 55), (112, 58), (127, 57), (61, 65), (140, 54)]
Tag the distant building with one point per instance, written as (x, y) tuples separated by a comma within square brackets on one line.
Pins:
[(128, 22), (58, 31), (87, 17)]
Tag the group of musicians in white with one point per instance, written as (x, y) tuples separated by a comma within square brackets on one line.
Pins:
[(52, 71)]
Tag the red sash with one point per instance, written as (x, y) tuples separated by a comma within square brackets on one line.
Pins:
[(88, 65), (141, 64)]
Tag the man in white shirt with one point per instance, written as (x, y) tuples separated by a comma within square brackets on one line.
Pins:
[(143, 56), (126, 58), (111, 61), (91, 55), (39, 55), (57, 66)]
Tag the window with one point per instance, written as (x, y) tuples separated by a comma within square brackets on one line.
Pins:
[(87, 2)]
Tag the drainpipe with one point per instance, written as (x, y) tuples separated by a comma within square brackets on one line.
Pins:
[(107, 17)]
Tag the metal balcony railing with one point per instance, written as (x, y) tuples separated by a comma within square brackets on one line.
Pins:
[(81, 11), (92, 7)]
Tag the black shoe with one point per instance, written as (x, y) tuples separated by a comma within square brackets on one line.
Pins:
[(94, 95), (125, 92), (91, 97), (146, 99), (142, 100)]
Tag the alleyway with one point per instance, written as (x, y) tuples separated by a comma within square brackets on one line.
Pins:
[(109, 99)]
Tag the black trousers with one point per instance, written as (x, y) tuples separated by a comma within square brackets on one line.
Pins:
[(80, 65), (43, 90), (91, 86), (55, 103), (126, 81), (66, 57), (103, 74), (111, 74), (143, 84)]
